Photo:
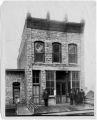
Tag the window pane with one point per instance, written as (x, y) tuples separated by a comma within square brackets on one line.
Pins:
[(77, 84), (50, 82), (36, 76), (39, 47), (73, 84), (33, 80), (37, 80), (56, 47), (72, 58), (52, 91), (56, 57), (39, 57), (48, 89), (72, 51), (39, 51), (56, 52)]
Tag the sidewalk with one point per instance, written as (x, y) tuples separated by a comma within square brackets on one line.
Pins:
[(63, 108), (23, 110), (57, 109)]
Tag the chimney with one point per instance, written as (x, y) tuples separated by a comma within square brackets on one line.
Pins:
[(83, 24), (48, 16), (66, 18)]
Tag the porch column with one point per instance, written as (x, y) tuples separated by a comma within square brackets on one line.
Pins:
[(66, 86), (71, 79)]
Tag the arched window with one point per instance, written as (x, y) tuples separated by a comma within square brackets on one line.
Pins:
[(72, 53), (39, 51), (56, 52)]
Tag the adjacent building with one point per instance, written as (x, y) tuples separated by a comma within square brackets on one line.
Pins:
[(50, 56)]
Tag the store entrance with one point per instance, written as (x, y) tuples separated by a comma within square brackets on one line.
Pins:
[(62, 86)]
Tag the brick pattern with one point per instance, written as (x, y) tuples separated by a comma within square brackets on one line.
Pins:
[(10, 78), (32, 35), (29, 67)]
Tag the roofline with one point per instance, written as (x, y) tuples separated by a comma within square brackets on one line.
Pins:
[(54, 25), (15, 70)]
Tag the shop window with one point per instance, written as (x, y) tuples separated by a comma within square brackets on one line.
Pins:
[(39, 51), (56, 52), (50, 82), (72, 53), (75, 79)]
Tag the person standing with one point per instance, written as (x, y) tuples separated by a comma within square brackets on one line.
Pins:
[(83, 95), (77, 96), (71, 97), (45, 97)]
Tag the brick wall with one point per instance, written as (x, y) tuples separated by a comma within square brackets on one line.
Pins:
[(14, 77), (54, 36), (32, 35)]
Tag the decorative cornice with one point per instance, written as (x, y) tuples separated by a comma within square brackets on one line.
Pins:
[(51, 25)]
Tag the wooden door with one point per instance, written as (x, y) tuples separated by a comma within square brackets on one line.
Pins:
[(60, 92), (36, 89)]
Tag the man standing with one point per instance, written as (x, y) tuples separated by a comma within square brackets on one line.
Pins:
[(83, 95), (71, 97), (45, 97)]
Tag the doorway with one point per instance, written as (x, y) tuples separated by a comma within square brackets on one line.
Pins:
[(62, 86), (36, 86)]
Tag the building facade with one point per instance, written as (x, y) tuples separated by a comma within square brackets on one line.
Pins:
[(50, 56)]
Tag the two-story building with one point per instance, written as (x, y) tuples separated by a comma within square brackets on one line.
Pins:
[(50, 56)]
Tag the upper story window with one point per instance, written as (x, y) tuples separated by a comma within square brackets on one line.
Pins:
[(72, 53), (56, 52), (39, 51)]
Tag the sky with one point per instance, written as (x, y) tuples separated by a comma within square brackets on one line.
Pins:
[(12, 21)]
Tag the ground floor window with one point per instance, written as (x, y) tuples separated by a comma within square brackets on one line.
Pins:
[(50, 82), (75, 79), (16, 92)]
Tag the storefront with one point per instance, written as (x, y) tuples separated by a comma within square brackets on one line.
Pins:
[(58, 84)]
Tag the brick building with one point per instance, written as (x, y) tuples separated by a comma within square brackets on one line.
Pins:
[(50, 56)]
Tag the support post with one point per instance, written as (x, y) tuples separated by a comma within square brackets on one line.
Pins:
[(66, 86), (55, 85), (71, 79)]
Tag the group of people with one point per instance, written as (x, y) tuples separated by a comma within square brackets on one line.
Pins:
[(77, 96)]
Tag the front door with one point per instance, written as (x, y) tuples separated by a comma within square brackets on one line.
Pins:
[(60, 92), (62, 86), (36, 86), (36, 89)]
